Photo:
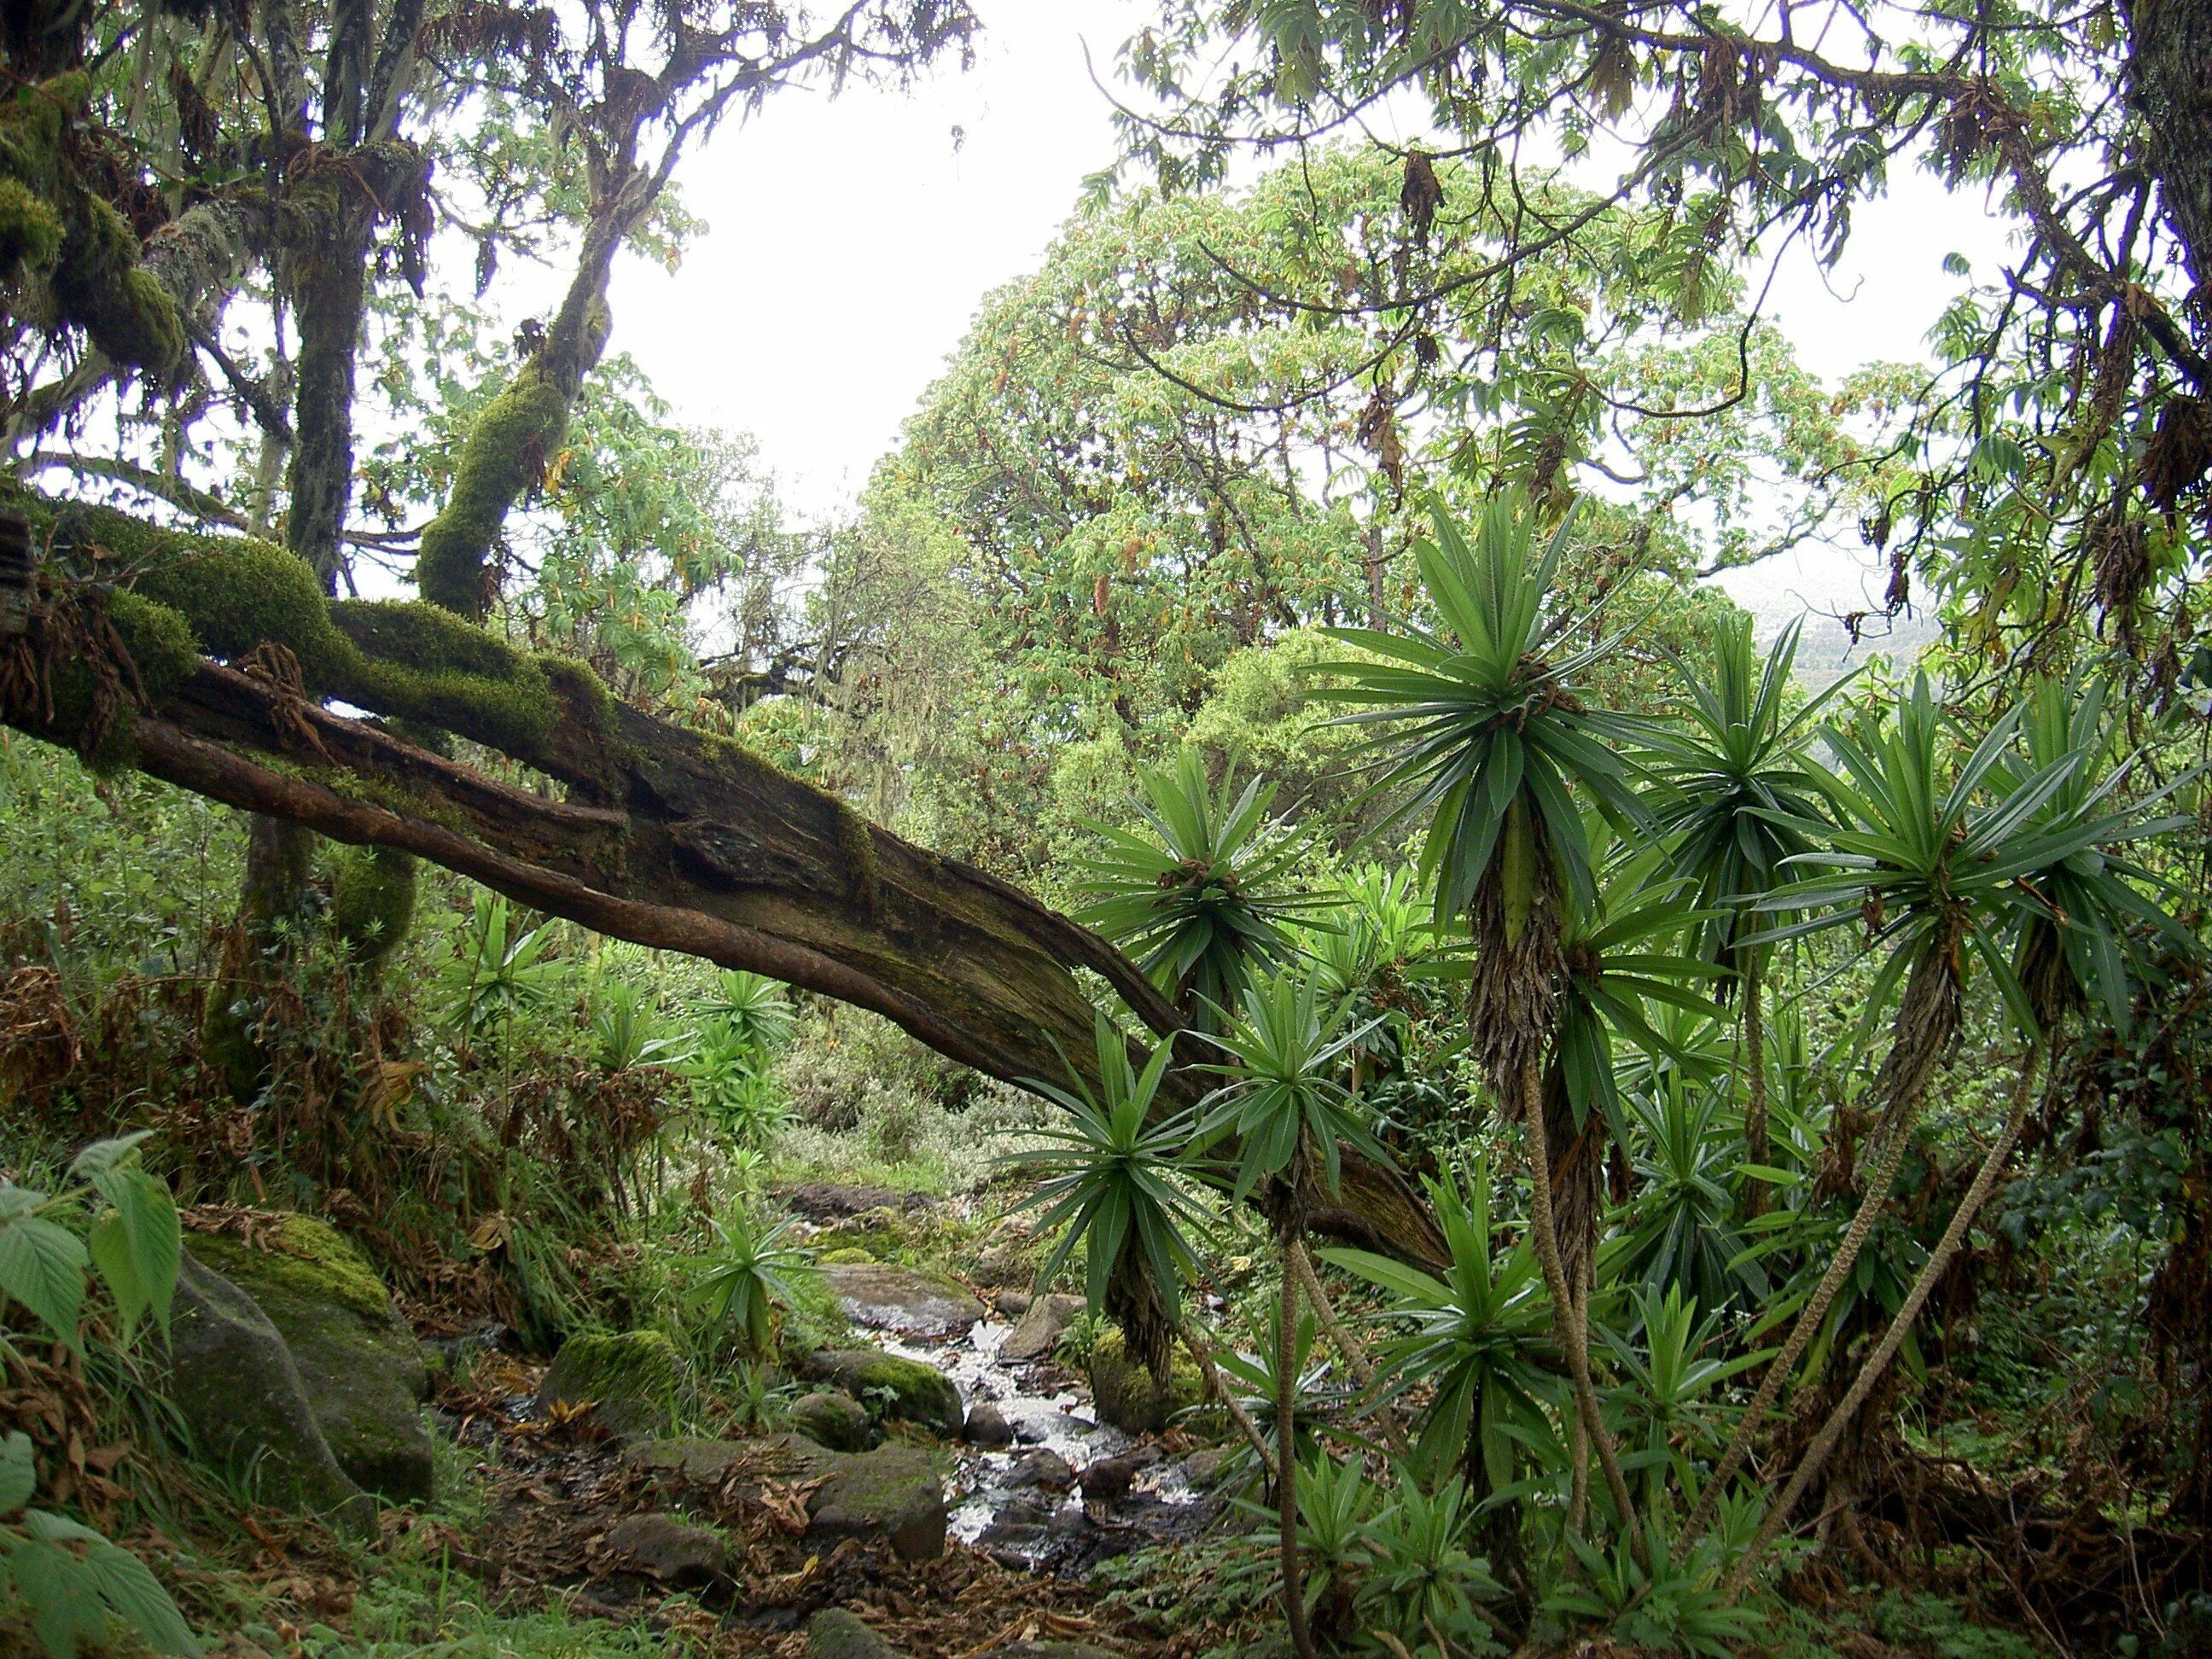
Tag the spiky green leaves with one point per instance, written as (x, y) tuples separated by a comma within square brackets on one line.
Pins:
[(1111, 1175), (1204, 895), (1483, 730), (1944, 857), (1481, 1334), (1284, 1096), (750, 1269), (1737, 794)]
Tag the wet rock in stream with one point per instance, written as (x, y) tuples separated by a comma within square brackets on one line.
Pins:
[(1043, 1323), (987, 1427), (888, 1298), (1045, 1471)]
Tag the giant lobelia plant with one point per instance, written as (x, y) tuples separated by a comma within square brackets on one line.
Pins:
[(2072, 901), (1735, 804), (1937, 860), (1203, 893), (1481, 729)]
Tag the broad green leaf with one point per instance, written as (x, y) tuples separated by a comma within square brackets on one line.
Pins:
[(42, 1266)]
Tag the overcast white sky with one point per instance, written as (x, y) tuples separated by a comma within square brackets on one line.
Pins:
[(851, 243)]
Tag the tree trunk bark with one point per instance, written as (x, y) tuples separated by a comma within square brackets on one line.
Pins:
[(1286, 1458), (1574, 1337), (2170, 56), (686, 842), (1927, 1015)]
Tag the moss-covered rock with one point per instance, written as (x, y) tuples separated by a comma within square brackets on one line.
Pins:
[(834, 1633), (833, 1419), (360, 1364), (692, 1459), (845, 1256), (892, 1493), (241, 1396), (1126, 1395), (630, 1378), (905, 1390)]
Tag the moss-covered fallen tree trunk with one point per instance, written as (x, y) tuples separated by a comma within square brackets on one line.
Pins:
[(211, 671)]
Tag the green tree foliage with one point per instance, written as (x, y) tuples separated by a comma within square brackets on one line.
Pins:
[(2036, 481)]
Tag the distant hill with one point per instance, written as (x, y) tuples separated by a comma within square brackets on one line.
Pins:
[(1825, 653)]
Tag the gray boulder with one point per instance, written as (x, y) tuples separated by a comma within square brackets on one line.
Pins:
[(834, 1419), (834, 1633), (661, 1546), (892, 1493), (691, 1458), (1003, 1264), (1043, 1469), (241, 1397), (1042, 1325), (891, 1298), (361, 1366)]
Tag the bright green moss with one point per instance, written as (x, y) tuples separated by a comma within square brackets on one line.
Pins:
[(423, 636), (30, 231), (507, 449), (236, 592), (308, 1257), (372, 900), (429, 665), (159, 640), (161, 648)]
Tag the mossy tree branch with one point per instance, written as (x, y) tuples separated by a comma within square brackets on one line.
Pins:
[(667, 837)]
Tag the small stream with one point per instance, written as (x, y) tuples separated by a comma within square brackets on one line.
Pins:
[(1021, 1504)]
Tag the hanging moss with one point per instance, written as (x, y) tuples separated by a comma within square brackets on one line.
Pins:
[(504, 456), (97, 284), (30, 231), (54, 230), (372, 901)]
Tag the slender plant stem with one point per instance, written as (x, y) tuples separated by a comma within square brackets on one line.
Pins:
[(1809, 1323), (1578, 1435), (1286, 1460), (1355, 1356), (1202, 1353), (1574, 1337), (1754, 1066), (1877, 1363)]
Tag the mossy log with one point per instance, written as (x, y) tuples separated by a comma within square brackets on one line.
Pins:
[(668, 837)]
